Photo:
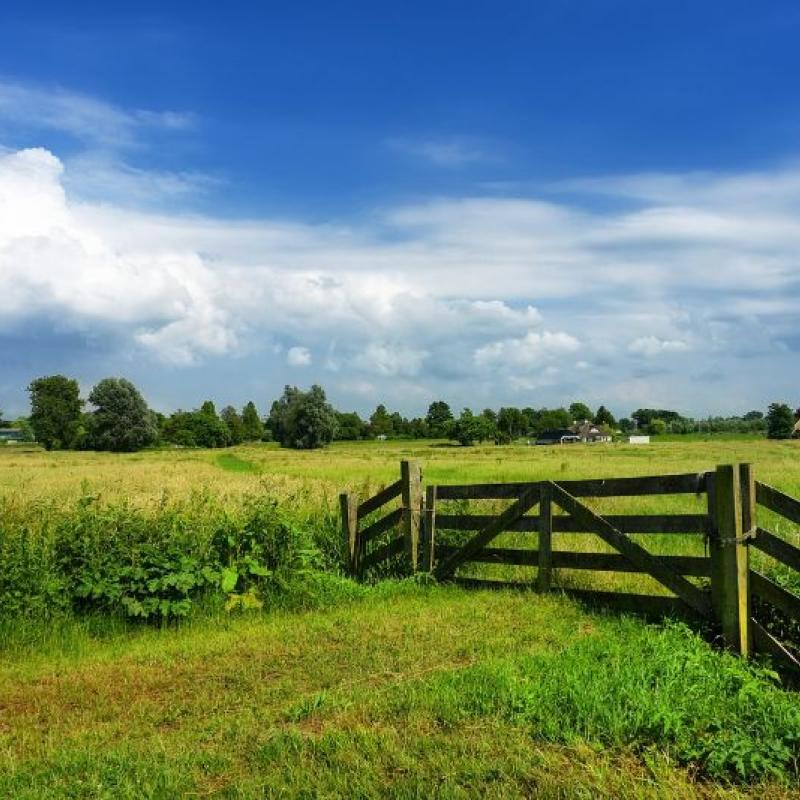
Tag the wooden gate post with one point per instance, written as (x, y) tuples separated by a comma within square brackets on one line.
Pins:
[(429, 530), (411, 477), (348, 504), (545, 539), (729, 561)]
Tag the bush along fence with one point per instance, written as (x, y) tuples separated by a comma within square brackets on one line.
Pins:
[(404, 523)]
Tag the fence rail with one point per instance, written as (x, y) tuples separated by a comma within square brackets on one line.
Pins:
[(730, 593)]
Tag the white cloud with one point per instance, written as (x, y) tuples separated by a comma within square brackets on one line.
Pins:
[(453, 151), (391, 360), (651, 346), (452, 292), (82, 116), (298, 357), (532, 351)]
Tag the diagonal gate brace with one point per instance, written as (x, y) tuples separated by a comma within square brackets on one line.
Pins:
[(527, 499), (634, 552)]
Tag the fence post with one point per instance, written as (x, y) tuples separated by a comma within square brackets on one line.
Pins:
[(729, 560), (349, 508), (411, 477), (545, 539), (747, 484), (429, 530)]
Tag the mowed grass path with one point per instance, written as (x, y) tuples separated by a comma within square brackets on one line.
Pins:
[(349, 702)]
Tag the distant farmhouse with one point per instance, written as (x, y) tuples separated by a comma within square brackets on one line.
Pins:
[(579, 432), (11, 435)]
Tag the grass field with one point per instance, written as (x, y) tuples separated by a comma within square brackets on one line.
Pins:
[(399, 689)]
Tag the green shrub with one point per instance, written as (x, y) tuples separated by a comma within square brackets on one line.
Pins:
[(149, 564)]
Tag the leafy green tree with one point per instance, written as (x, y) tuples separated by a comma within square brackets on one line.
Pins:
[(657, 427), (197, 428), (548, 419), (251, 422), (231, 417), (780, 421), (55, 410), (580, 412), (310, 421), (511, 424), (643, 416), (468, 428), (279, 412), (438, 419), (604, 417), (121, 421), (350, 426), (381, 422), (417, 428), (488, 419), (626, 425), (24, 426)]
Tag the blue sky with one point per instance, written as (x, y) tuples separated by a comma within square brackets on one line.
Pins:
[(507, 203)]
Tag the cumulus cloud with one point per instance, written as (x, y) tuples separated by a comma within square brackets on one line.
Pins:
[(529, 352), (451, 292), (298, 357), (651, 346)]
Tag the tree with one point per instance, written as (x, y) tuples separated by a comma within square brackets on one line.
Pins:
[(604, 417), (780, 421), (279, 412), (200, 428), (467, 429), (438, 419), (121, 421), (657, 427), (626, 425), (251, 423), (55, 410), (511, 424), (550, 419), (489, 421), (24, 426), (349, 426), (231, 417), (381, 422), (580, 412), (310, 421), (643, 416)]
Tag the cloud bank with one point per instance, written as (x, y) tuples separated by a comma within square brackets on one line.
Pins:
[(659, 292)]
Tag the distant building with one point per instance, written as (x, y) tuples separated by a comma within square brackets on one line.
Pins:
[(558, 436), (589, 432), (639, 439), (11, 435)]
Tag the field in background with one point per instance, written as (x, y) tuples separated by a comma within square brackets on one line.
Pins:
[(34, 475), (396, 690)]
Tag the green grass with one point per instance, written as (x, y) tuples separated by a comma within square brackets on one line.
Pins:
[(411, 691), (337, 689), (232, 463)]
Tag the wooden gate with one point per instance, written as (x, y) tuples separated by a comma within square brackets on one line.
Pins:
[(718, 586)]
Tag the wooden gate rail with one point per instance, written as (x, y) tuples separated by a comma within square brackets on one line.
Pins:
[(728, 527), (762, 587), (404, 519), (634, 552)]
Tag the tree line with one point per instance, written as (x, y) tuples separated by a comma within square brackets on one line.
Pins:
[(119, 419)]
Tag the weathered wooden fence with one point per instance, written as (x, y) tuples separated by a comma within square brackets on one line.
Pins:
[(728, 527)]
